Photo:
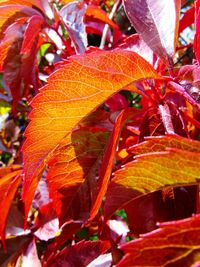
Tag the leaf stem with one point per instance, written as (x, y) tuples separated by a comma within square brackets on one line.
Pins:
[(166, 118), (106, 28)]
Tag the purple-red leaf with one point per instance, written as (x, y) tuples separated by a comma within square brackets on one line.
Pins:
[(136, 44), (157, 22), (72, 15), (80, 254)]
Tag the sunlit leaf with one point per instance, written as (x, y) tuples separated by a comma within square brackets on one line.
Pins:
[(94, 13), (72, 15), (173, 244), (159, 143), (10, 13), (157, 22), (43, 5), (8, 186), (166, 161), (72, 92)]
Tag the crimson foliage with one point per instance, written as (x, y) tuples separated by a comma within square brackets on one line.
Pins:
[(99, 133)]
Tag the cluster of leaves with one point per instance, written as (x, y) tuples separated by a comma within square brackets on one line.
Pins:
[(107, 170)]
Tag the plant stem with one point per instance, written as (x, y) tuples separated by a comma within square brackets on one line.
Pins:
[(106, 28)]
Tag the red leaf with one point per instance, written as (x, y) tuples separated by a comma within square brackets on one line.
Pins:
[(73, 163), (187, 19), (29, 52), (43, 5), (79, 255), (18, 55), (31, 34), (173, 244), (47, 223), (8, 186), (171, 203), (106, 168), (197, 27), (157, 22), (136, 44), (72, 92), (94, 13), (10, 13), (177, 164)]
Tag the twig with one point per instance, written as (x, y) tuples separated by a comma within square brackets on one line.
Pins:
[(106, 28)]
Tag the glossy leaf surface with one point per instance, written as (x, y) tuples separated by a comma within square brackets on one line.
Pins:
[(72, 92), (157, 22), (72, 15)]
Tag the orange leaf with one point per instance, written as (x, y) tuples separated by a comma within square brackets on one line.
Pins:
[(96, 13), (43, 5), (173, 244), (167, 160), (71, 93), (10, 13), (72, 163), (8, 186), (159, 143)]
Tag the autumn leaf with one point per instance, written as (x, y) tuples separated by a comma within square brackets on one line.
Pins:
[(168, 204), (197, 28), (159, 143), (107, 164), (71, 93), (187, 19), (80, 254), (167, 161), (157, 22), (42, 5), (173, 244), (18, 56), (9, 183), (72, 163), (72, 16), (94, 13), (10, 13)]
